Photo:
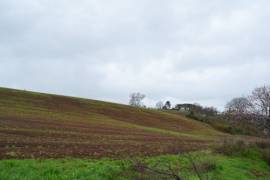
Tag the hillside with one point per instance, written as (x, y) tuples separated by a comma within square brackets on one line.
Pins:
[(52, 126)]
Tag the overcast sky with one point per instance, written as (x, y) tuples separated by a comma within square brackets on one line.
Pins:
[(179, 50)]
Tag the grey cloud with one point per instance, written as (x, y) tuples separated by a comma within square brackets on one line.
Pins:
[(186, 51)]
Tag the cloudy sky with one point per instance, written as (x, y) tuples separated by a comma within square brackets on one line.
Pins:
[(180, 50)]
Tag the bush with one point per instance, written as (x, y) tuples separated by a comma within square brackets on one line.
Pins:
[(235, 130), (266, 155), (207, 166), (263, 144), (192, 115), (229, 128), (220, 124), (231, 147), (239, 148), (197, 117)]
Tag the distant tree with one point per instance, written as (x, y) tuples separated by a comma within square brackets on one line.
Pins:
[(238, 105), (254, 110), (167, 105), (197, 107), (159, 105), (210, 111), (136, 99), (260, 99)]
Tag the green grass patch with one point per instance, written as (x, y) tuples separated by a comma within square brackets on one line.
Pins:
[(222, 167)]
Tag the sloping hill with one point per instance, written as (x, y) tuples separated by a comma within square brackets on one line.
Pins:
[(43, 125)]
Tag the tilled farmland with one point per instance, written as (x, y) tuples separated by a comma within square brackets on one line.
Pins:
[(35, 125)]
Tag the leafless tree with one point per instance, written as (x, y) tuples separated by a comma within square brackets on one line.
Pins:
[(238, 105), (159, 105), (136, 99), (260, 99)]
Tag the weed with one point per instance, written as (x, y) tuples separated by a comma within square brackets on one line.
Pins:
[(12, 154)]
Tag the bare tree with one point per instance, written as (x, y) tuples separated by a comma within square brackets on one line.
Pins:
[(260, 99), (238, 105), (159, 105), (136, 99)]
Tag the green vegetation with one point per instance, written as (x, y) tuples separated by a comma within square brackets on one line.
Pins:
[(218, 123), (222, 167), (267, 155)]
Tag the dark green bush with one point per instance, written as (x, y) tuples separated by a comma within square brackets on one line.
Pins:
[(263, 144), (197, 117), (266, 155), (235, 130), (207, 166), (230, 147), (192, 115)]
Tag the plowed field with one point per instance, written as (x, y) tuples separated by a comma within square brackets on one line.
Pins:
[(36, 125)]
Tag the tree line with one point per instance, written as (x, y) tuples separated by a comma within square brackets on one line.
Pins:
[(258, 102), (253, 108)]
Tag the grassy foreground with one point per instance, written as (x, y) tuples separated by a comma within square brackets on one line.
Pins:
[(249, 165)]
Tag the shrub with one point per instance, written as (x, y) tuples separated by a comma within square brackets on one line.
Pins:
[(263, 144), (239, 148), (231, 147), (197, 116), (192, 115), (266, 155), (207, 166), (235, 130)]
